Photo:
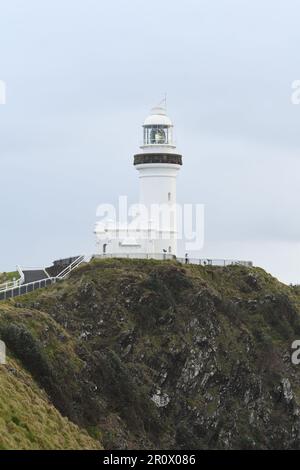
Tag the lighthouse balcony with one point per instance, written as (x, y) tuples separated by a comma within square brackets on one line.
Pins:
[(144, 158)]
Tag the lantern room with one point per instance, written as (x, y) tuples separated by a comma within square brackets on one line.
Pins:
[(158, 129)]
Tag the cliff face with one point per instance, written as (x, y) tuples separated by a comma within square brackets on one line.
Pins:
[(144, 354)]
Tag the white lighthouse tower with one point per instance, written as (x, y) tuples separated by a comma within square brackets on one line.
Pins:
[(158, 165), (155, 233)]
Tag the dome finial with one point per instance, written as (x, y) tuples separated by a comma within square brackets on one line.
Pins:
[(161, 107), (158, 114), (163, 102)]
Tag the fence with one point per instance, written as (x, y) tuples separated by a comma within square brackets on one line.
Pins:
[(15, 289), (15, 283), (26, 288), (167, 256)]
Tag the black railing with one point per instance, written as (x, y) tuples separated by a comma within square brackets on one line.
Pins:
[(170, 158)]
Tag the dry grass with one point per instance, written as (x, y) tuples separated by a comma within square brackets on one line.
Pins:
[(29, 421)]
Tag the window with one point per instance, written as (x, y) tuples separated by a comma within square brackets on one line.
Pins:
[(156, 134)]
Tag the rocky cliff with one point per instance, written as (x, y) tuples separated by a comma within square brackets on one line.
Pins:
[(145, 354)]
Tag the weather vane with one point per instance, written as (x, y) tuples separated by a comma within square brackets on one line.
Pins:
[(163, 101)]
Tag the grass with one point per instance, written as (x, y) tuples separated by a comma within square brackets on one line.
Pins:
[(29, 421), (235, 322), (7, 277)]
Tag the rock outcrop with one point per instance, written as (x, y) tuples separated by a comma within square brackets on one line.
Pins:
[(145, 354)]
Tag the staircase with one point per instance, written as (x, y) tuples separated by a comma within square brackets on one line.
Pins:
[(32, 275), (37, 278)]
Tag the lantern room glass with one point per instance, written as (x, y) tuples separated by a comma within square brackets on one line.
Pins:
[(157, 135)]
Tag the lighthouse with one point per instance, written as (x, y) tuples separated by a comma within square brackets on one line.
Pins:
[(153, 232), (158, 165)]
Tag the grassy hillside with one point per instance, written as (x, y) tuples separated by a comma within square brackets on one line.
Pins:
[(29, 421), (7, 277), (146, 354)]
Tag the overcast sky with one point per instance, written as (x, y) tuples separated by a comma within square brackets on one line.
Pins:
[(81, 76)]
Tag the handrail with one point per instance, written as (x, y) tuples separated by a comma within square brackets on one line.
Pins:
[(16, 288), (22, 277), (23, 289), (18, 282), (8, 285), (72, 266), (186, 260), (215, 262)]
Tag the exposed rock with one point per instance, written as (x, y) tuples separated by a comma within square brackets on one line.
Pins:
[(156, 355), (160, 399)]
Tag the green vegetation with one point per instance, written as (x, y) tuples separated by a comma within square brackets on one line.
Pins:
[(148, 354), (7, 277), (29, 421)]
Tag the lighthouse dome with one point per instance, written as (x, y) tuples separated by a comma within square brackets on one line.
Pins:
[(158, 131), (158, 116)]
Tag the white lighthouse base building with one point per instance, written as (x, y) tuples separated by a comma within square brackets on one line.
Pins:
[(153, 229)]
